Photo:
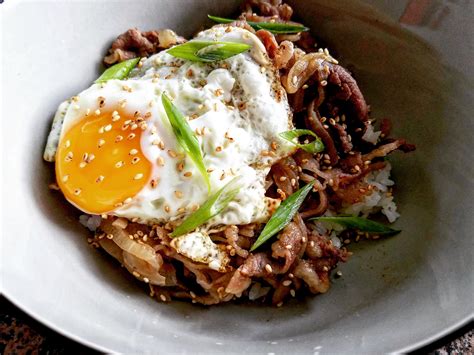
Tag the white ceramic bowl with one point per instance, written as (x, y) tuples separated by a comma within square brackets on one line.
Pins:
[(396, 294)]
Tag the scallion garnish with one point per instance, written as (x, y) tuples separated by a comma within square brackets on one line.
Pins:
[(273, 27), (283, 215), (185, 137), (207, 51), (359, 223), (313, 147), (213, 206), (118, 71)]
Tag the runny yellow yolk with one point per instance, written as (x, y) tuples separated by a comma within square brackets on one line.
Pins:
[(99, 162)]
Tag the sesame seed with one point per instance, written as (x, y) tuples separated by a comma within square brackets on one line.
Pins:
[(324, 83), (127, 200), (289, 246), (138, 176), (167, 209), (146, 280), (218, 149), (283, 178), (163, 297), (286, 283), (119, 138), (136, 274), (154, 183), (172, 153), (118, 204), (178, 194), (119, 164), (110, 236), (67, 144), (293, 182), (339, 273), (134, 126), (290, 275), (77, 192), (188, 174), (133, 152), (160, 161), (100, 178), (97, 112), (65, 178), (268, 268), (292, 293), (100, 143), (88, 112), (108, 128), (280, 304), (210, 170), (222, 175), (135, 160), (82, 164), (331, 182)]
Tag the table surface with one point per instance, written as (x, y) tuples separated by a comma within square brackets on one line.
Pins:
[(21, 334)]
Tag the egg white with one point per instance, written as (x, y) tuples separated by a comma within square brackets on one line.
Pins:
[(239, 106)]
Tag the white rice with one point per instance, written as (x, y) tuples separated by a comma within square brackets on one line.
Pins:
[(371, 135), (91, 222), (378, 200)]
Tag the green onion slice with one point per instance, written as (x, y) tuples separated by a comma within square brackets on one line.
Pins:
[(273, 27), (313, 147), (207, 51), (362, 224), (118, 71), (283, 215), (212, 207), (185, 136)]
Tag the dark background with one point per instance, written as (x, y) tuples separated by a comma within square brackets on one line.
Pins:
[(21, 334)]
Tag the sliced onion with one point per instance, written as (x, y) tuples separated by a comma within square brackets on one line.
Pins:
[(302, 70)]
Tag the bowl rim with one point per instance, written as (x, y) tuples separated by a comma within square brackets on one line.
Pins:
[(81, 340)]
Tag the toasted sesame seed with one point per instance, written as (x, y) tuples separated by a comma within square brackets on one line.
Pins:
[(108, 128), (280, 304), (178, 194), (293, 293), (286, 283), (188, 174), (163, 297), (100, 143), (133, 152), (127, 200), (97, 112), (134, 126), (288, 246), (119, 164), (283, 178), (88, 112), (77, 192), (100, 178), (136, 274), (210, 170), (223, 175), (172, 153), (82, 164), (67, 144), (268, 268), (323, 83), (65, 178), (160, 161), (339, 273), (146, 280), (135, 160), (167, 209), (293, 182), (119, 138), (110, 236), (138, 176), (218, 149), (154, 183)]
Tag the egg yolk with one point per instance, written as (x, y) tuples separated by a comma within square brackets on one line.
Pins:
[(99, 163)]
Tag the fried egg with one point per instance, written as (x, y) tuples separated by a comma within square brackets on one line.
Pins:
[(117, 153)]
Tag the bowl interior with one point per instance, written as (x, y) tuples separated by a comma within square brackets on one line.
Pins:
[(395, 294)]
